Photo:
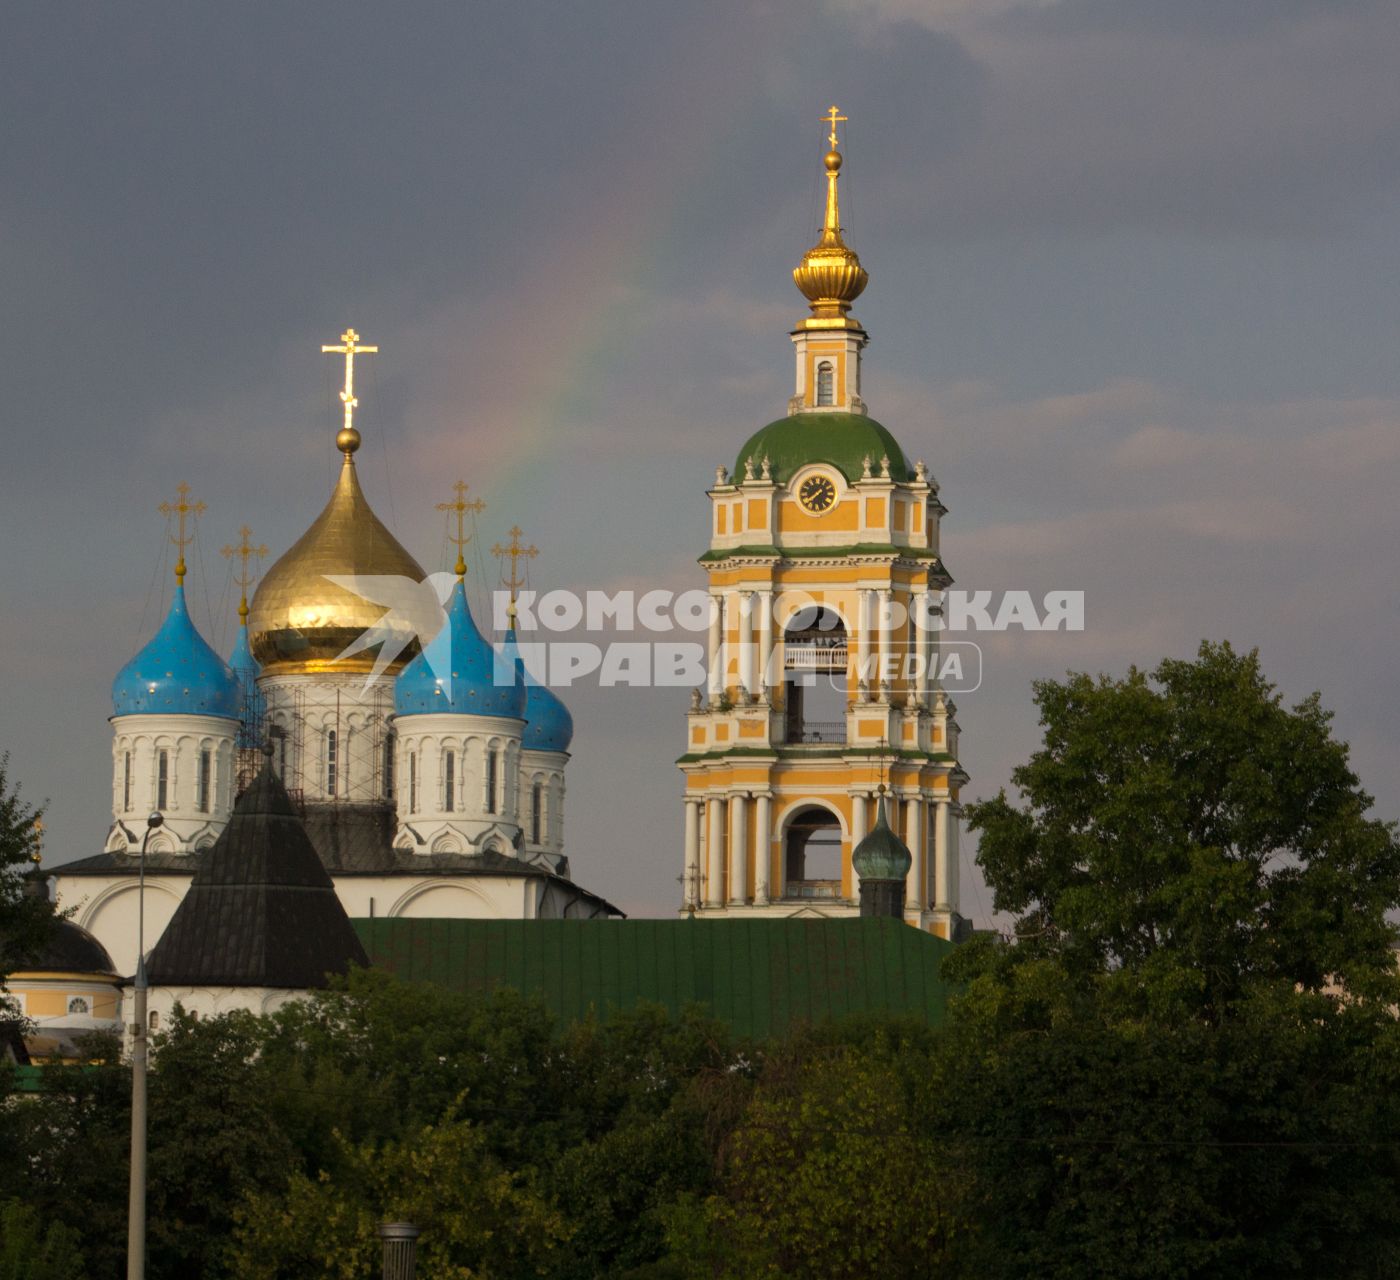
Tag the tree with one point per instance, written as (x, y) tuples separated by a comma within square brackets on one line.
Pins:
[(479, 1220), (25, 919), (1187, 831), (29, 1250)]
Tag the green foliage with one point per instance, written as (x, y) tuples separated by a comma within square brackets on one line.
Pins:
[(25, 920), (1188, 833), (29, 1250), (478, 1218)]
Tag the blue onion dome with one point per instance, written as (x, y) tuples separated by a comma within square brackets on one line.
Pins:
[(548, 724), (245, 669), (460, 672), (177, 672)]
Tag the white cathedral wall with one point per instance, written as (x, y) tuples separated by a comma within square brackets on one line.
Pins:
[(302, 714), (457, 809), (106, 906), (544, 769), (193, 815), (439, 898)]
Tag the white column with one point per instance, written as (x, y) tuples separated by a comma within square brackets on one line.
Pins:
[(942, 885), (690, 894), (726, 651), (716, 646), (765, 644), (862, 634), (738, 848), (714, 879), (763, 847), (882, 631), (746, 654), (954, 863), (914, 838), (859, 829), (922, 638)]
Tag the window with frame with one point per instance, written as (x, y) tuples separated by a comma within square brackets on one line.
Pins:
[(449, 780), (826, 384), (413, 782), (163, 781), (492, 764), (126, 782), (537, 813), (332, 749), (78, 1005), (389, 766), (206, 771)]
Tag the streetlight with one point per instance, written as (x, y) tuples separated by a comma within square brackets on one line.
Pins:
[(136, 1205)]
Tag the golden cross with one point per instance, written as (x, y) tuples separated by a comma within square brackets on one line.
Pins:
[(350, 346), (181, 508), (245, 550), (833, 119), (462, 507), (38, 855), (516, 553)]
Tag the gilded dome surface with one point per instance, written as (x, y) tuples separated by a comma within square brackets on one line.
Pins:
[(299, 621)]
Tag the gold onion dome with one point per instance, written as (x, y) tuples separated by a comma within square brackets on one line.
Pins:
[(300, 621), (830, 275)]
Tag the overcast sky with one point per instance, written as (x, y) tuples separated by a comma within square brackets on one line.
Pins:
[(1135, 297)]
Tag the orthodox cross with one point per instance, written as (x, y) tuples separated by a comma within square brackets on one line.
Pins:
[(182, 508), (833, 119), (245, 550), (462, 507), (513, 582), (350, 346)]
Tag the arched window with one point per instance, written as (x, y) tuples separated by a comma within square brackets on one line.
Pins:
[(389, 766), (492, 762), (537, 813), (206, 769), (153, 1021), (413, 782), (812, 855), (826, 384), (282, 754), (163, 781), (126, 782), (449, 780), (78, 1005), (332, 741)]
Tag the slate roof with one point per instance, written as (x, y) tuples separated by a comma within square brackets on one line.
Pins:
[(352, 840), (759, 976), (261, 911)]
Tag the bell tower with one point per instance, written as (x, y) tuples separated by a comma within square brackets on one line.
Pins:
[(824, 572)]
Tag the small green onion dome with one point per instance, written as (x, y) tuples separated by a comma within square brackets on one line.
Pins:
[(882, 855)]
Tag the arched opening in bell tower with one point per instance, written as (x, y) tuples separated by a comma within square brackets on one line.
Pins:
[(812, 854), (814, 661)]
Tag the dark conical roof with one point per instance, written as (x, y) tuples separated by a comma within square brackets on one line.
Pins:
[(261, 910)]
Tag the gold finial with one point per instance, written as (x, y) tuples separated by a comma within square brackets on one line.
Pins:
[(38, 855), (182, 508), (350, 346), (513, 582), (462, 507), (830, 275), (245, 550)]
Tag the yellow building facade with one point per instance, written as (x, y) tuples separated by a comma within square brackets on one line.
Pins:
[(825, 577)]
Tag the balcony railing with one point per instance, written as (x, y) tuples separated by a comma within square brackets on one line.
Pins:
[(818, 731), (800, 656), (812, 889)]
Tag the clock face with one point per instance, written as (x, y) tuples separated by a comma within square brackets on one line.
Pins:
[(817, 494)]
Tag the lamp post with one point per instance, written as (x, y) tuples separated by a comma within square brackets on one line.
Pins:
[(136, 1204)]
